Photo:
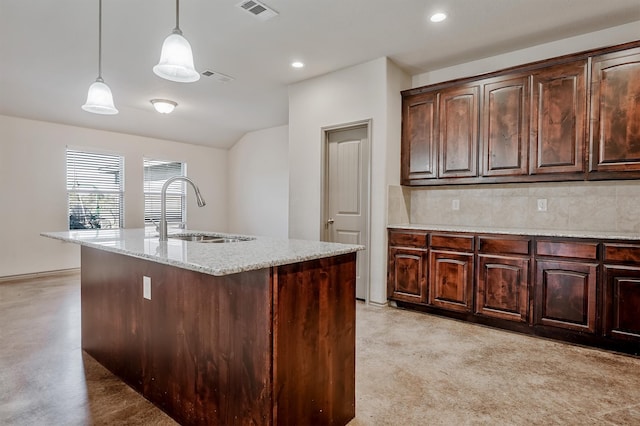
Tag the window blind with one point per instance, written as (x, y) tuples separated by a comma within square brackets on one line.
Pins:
[(95, 190), (156, 173)]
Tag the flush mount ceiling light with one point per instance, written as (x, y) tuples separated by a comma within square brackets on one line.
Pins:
[(176, 58), (164, 106), (438, 17), (99, 97), (297, 64)]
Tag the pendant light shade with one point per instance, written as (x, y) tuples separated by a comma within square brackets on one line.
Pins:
[(99, 97), (176, 58)]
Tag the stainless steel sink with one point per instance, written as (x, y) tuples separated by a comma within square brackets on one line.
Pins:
[(209, 238)]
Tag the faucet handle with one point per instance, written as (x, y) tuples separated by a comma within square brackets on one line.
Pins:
[(156, 224)]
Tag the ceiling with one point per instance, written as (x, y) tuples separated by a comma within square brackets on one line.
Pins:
[(49, 53)]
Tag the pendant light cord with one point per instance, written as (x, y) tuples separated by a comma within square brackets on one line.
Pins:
[(177, 29), (100, 40)]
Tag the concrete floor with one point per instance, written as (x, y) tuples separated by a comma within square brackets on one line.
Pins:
[(411, 369)]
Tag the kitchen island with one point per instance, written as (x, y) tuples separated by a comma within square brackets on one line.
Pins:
[(244, 332)]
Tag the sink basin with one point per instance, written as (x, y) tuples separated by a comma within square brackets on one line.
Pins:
[(209, 238)]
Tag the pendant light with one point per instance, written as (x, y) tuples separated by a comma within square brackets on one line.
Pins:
[(99, 97), (176, 58)]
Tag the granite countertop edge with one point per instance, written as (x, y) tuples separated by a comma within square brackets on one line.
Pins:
[(212, 259), (613, 235)]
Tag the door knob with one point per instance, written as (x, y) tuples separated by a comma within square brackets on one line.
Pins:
[(330, 221)]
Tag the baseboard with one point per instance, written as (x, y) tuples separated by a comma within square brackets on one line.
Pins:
[(44, 274), (377, 304)]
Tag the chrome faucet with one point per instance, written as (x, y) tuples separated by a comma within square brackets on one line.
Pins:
[(163, 202)]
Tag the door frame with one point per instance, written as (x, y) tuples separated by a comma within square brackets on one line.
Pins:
[(324, 182)]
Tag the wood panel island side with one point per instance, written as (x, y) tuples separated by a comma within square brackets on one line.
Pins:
[(257, 332)]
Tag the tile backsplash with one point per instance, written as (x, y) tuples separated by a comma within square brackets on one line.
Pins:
[(580, 206)]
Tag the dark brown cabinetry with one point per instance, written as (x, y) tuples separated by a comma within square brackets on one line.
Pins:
[(528, 123), (407, 270), (505, 127), (458, 132), (558, 119), (263, 347), (419, 138), (615, 112), (503, 278), (451, 279), (622, 292), (580, 290), (566, 289)]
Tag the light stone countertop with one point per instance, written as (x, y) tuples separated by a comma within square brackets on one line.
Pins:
[(515, 231), (209, 258)]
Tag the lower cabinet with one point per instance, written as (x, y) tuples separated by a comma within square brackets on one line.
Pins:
[(503, 287), (407, 266), (622, 292), (622, 310), (502, 280), (566, 295), (408, 274), (451, 278), (451, 281), (585, 291), (566, 284)]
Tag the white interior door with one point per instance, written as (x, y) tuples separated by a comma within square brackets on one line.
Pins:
[(347, 195)]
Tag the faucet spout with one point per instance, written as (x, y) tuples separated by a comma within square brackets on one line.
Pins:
[(163, 202)]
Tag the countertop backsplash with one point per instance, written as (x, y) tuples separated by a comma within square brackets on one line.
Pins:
[(603, 206)]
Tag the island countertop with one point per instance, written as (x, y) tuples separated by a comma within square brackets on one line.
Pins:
[(214, 259)]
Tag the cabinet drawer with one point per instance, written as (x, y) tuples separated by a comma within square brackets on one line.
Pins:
[(455, 242), (622, 253), (576, 250), (498, 245), (408, 239)]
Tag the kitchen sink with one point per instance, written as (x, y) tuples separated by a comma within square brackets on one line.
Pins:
[(209, 238)]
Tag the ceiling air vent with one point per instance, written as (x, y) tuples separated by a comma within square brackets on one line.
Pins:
[(257, 9), (217, 76)]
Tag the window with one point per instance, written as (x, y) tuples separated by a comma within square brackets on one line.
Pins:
[(155, 175), (95, 190)]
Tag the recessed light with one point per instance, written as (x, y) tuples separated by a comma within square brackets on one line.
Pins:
[(163, 106), (438, 17), (297, 64)]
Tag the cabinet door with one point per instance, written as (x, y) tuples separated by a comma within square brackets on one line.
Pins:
[(622, 303), (458, 131), (503, 287), (418, 154), (615, 112), (407, 276), (451, 280), (505, 127), (566, 295), (558, 119)]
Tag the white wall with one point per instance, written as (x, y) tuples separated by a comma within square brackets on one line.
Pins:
[(258, 201), (33, 187), (367, 91), (608, 37)]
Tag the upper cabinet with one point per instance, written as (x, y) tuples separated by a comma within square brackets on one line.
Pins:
[(505, 126), (615, 112), (558, 114), (458, 135), (418, 159), (528, 123)]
